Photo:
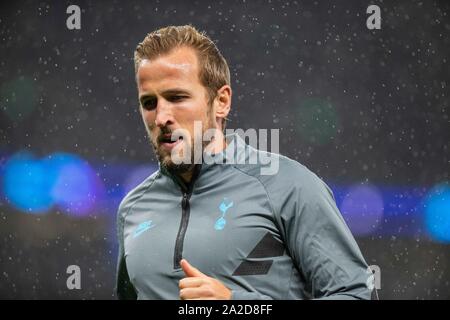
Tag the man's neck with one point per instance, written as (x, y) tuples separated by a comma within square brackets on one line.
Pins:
[(187, 176), (214, 147)]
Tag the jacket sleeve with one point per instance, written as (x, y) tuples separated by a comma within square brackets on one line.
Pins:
[(318, 240), (124, 288)]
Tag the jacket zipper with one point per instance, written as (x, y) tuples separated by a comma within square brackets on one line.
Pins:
[(185, 213)]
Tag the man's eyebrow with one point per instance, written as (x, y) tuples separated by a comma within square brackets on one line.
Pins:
[(175, 91), (167, 92)]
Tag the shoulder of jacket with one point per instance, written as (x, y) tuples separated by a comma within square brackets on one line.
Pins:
[(287, 170), (136, 193)]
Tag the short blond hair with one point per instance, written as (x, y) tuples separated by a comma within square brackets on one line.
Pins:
[(213, 68)]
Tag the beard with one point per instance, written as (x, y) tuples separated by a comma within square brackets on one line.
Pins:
[(165, 156)]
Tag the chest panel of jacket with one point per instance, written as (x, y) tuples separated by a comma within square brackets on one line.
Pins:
[(230, 235)]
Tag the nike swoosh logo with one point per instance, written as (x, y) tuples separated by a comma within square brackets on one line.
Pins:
[(144, 226)]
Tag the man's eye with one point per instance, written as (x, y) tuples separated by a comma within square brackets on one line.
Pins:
[(176, 98), (149, 104)]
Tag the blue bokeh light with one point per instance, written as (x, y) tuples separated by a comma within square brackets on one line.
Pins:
[(61, 179), (437, 213), (26, 184), (76, 186)]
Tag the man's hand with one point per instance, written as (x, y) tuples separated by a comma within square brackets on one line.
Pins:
[(198, 286)]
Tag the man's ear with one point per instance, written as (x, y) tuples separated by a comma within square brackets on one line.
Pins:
[(222, 103)]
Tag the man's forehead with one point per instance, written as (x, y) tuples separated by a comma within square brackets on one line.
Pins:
[(153, 70), (178, 64)]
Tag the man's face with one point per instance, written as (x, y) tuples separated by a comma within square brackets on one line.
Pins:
[(172, 97)]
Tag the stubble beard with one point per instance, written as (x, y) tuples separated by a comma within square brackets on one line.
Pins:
[(164, 156)]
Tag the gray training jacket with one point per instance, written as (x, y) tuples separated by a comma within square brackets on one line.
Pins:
[(276, 236)]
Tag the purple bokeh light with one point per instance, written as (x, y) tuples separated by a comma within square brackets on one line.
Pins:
[(362, 208)]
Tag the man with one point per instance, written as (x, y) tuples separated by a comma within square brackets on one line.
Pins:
[(222, 230)]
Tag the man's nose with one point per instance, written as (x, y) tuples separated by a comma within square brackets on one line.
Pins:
[(164, 116)]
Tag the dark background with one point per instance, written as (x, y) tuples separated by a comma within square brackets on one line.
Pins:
[(354, 105)]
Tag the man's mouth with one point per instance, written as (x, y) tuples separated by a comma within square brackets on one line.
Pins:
[(166, 142)]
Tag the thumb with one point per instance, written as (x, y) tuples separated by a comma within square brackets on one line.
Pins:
[(189, 270)]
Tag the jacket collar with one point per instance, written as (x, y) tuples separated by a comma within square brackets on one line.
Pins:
[(235, 152)]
